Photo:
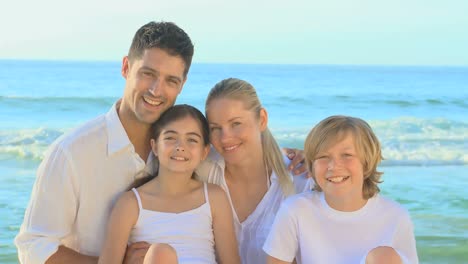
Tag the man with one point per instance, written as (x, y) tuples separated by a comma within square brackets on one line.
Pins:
[(84, 171)]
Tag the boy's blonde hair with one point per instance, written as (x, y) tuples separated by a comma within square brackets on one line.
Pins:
[(334, 129)]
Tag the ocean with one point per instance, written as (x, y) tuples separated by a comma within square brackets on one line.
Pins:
[(419, 113)]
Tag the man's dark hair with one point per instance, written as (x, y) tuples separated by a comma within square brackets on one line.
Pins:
[(163, 35)]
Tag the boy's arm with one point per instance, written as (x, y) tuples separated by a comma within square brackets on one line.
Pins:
[(123, 217), (223, 226), (405, 243), (51, 211)]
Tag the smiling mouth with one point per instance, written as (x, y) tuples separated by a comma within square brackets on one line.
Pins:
[(179, 158), (231, 148), (151, 101), (337, 179)]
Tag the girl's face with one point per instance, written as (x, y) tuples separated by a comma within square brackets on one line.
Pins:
[(339, 172), (180, 147), (235, 132)]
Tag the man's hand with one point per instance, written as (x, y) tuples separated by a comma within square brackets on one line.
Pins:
[(136, 252), (296, 156)]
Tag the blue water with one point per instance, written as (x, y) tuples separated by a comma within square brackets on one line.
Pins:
[(419, 113)]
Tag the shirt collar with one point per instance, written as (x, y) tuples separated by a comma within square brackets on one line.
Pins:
[(117, 137)]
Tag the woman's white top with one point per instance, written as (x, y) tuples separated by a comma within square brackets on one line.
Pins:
[(252, 232), (190, 233)]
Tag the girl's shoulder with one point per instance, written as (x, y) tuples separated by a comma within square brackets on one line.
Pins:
[(128, 206), (130, 199)]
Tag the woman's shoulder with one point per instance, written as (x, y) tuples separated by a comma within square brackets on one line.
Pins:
[(211, 168)]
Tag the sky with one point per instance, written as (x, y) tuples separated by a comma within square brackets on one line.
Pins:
[(383, 32)]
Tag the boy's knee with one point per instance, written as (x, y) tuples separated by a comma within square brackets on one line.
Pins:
[(383, 255), (161, 253)]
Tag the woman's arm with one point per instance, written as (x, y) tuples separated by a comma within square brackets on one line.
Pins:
[(123, 217), (223, 226), (272, 260)]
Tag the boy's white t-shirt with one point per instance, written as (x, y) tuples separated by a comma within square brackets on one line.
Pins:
[(307, 229)]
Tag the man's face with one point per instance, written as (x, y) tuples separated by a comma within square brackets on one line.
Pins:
[(152, 85)]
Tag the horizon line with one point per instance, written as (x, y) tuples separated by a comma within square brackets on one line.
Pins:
[(246, 63)]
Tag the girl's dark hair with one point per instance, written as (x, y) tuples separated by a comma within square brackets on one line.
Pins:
[(172, 114)]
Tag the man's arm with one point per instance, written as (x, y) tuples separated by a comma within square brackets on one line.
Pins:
[(297, 165), (66, 255), (51, 211)]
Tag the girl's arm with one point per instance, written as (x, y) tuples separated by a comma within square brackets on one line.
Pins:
[(223, 226), (123, 217)]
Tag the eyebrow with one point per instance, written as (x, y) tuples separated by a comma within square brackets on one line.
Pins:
[(175, 132), (146, 68), (230, 120)]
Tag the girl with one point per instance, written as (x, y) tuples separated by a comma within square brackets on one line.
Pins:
[(344, 220), (249, 167), (180, 216)]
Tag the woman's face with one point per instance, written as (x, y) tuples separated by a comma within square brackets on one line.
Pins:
[(235, 132)]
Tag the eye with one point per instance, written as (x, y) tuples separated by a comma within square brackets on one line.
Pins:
[(236, 124), (148, 74), (169, 138), (214, 128), (173, 82), (192, 140), (321, 157)]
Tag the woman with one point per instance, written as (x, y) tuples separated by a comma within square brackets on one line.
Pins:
[(248, 164)]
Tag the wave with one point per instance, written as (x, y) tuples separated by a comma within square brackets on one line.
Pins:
[(406, 141), (369, 100), (27, 144)]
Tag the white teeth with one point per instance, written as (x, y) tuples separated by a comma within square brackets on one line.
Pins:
[(230, 148), (151, 102), (337, 179), (179, 158)]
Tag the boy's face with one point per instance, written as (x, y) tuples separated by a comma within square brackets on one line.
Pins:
[(339, 173)]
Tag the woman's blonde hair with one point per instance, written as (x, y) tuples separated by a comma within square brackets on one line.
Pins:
[(243, 91), (332, 130)]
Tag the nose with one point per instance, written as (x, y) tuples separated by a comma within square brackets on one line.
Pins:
[(180, 146), (225, 135), (333, 163), (155, 88)]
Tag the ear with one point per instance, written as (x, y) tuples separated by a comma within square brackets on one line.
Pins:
[(154, 147), (125, 67), (263, 119)]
